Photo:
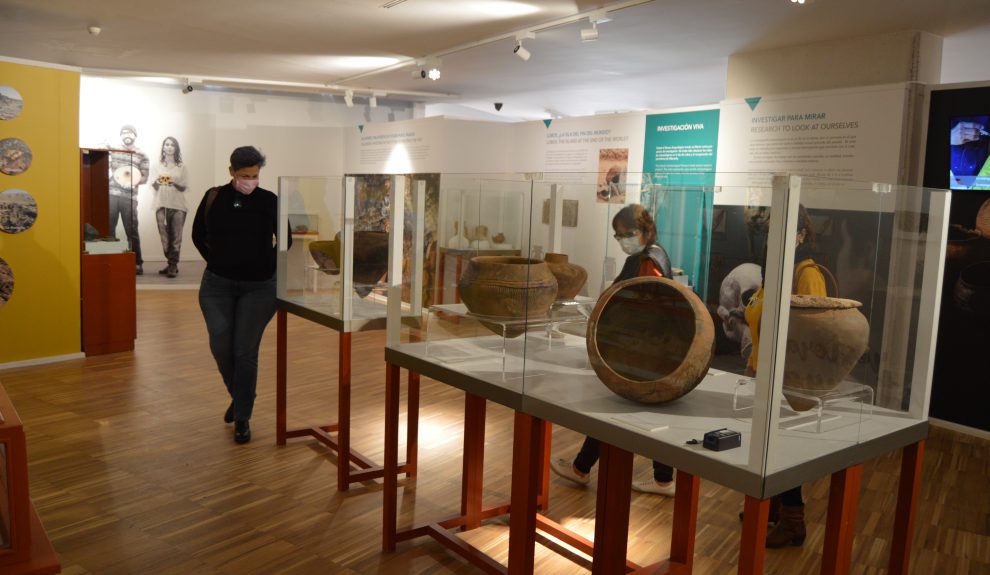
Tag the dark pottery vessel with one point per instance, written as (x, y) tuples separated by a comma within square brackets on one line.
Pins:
[(370, 257)]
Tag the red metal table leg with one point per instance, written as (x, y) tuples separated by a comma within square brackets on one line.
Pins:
[(840, 526), (472, 478), (344, 412), (612, 511), (412, 424), (685, 518), (281, 364), (544, 458), (390, 494), (529, 438), (752, 547), (907, 501)]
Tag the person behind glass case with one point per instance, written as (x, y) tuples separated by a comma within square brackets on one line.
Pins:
[(235, 229), (636, 233), (787, 509), (168, 179), (128, 169)]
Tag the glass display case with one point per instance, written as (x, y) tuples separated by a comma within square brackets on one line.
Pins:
[(335, 267), (826, 312)]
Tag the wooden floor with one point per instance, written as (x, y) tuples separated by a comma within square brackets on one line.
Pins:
[(134, 472)]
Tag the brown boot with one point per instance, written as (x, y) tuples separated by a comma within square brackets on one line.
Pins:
[(774, 516), (789, 530)]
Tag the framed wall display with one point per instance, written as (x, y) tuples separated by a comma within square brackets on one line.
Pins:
[(6, 282), (18, 211), (15, 156), (11, 103)]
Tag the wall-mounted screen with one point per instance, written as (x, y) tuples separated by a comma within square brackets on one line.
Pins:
[(969, 148)]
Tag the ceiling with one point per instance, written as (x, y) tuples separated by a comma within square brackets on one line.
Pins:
[(652, 54)]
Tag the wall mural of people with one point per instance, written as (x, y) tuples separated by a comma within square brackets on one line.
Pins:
[(129, 168), (169, 179)]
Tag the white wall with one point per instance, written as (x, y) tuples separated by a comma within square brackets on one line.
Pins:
[(964, 56), (301, 135)]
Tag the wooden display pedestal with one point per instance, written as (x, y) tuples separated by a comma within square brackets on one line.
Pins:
[(109, 303)]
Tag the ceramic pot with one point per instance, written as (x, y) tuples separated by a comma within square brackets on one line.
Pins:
[(570, 277), (972, 290), (507, 288), (983, 220), (650, 339), (370, 257), (825, 338), (326, 254), (498, 238)]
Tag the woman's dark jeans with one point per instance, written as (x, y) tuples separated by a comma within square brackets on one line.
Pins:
[(236, 314)]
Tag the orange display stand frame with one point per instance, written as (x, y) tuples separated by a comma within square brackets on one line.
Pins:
[(341, 443), (530, 494)]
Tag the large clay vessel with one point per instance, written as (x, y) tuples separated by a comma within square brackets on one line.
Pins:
[(650, 339), (370, 257), (507, 288), (570, 277), (826, 336), (972, 290)]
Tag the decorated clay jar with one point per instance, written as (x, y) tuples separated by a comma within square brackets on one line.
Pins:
[(650, 339), (825, 338), (570, 277), (507, 288)]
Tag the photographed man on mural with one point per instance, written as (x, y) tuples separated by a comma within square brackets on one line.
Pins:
[(129, 168)]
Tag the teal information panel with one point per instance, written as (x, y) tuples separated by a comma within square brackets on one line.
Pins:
[(678, 187)]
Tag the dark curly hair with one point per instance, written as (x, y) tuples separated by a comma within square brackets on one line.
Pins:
[(246, 157)]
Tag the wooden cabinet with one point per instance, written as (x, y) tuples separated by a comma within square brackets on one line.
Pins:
[(109, 301)]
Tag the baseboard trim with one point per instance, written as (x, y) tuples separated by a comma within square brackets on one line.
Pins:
[(41, 361)]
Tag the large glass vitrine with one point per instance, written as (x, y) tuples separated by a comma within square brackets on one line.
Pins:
[(809, 335)]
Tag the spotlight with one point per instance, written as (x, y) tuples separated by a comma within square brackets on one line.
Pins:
[(349, 98), (590, 34), (521, 52), (187, 88), (433, 74), (498, 106)]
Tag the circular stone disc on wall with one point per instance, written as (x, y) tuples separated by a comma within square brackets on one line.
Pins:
[(15, 156), (11, 103), (6, 282), (18, 211)]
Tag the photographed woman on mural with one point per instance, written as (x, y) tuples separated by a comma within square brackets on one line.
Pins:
[(168, 179)]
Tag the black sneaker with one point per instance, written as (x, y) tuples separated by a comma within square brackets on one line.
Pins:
[(163, 271), (242, 432), (172, 271), (140, 270)]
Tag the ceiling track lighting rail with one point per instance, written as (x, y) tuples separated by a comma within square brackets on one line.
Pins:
[(603, 11)]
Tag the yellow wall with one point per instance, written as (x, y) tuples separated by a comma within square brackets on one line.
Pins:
[(42, 317)]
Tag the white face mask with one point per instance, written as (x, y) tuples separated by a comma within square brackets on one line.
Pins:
[(631, 245), (245, 186)]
